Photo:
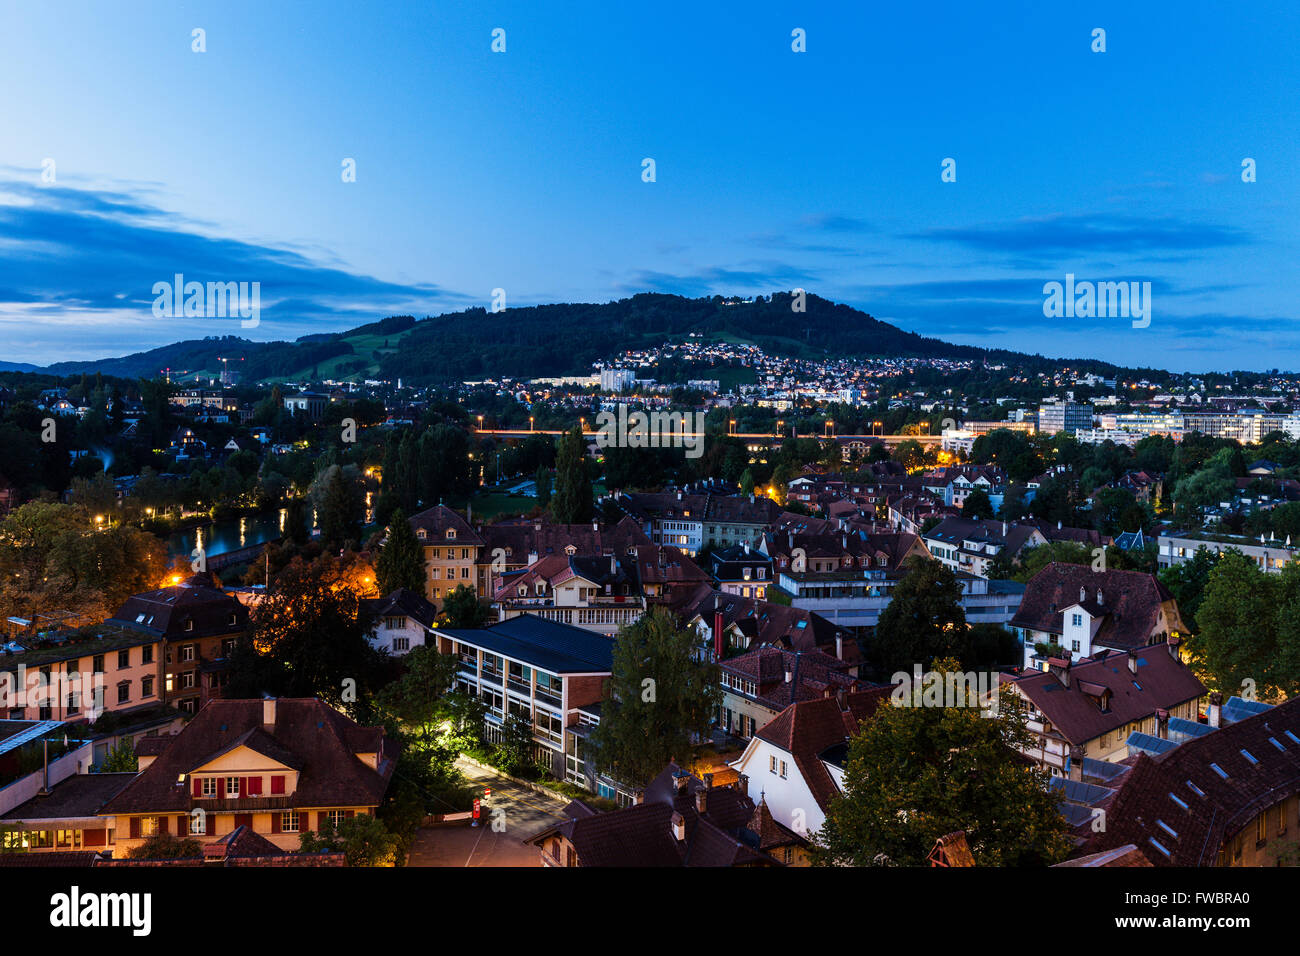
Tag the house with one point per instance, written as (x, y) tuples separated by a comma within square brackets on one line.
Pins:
[(796, 761), (108, 669), (741, 571), (65, 819), (758, 684), (399, 622), (276, 767), (514, 544), (1229, 797), (452, 551), (692, 519), (542, 671), (1089, 708), (198, 626), (310, 404), (972, 545), (596, 592), (727, 623), (680, 820), (1071, 611)]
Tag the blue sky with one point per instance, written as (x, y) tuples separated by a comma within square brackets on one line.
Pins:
[(522, 170)]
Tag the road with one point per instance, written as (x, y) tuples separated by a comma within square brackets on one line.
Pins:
[(512, 814)]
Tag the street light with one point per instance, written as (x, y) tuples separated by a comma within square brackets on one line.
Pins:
[(530, 422)]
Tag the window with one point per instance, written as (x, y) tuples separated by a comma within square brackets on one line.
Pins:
[(124, 692), (1261, 830), (187, 680), (124, 658), (771, 764), (782, 769), (189, 625), (464, 572), (97, 664), (208, 786), (401, 644), (435, 573), (232, 787), (1074, 646), (289, 821), (335, 817), (146, 654), (199, 822), (187, 652), (148, 826), (1076, 620), (146, 687)]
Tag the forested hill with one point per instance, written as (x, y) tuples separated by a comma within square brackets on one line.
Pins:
[(543, 340)]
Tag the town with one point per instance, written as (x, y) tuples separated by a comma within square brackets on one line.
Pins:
[(258, 615)]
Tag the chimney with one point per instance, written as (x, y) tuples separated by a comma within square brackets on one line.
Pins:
[(679, 827), (701, 800), (679, 496), (717, 635), (595, 525), (268, 712), (751, 497), (839, 645), (742, 784), (844, 541), (1083, 594), (708, 780), (789, 676), (680, 782), (1215, 711), (1132, 661), (1076, 763), (1058, 526), (1100, 598), (1060, 669), (1162, 723), (1174, 641)]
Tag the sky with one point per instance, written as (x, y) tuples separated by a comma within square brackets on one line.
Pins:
[(127, 157)]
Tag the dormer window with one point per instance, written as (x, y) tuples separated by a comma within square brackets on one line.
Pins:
[(451, 533), (421, 534)]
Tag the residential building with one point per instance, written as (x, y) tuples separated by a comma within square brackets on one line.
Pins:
[(758, 684), (1070, 611), (1089, 708), (971, 545), (66, 817), (1066, 417), (399, 622), (599, 592), (86, 673), (452, 553), (276, 767), (1178, 548)]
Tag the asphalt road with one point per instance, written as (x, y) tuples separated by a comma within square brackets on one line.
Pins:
[(512, 814)]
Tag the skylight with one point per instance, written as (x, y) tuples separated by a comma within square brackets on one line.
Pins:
[(1195, 789), (1294, 738), (1219, 770), (1277, 743), (1167, 828), (1176, 800), (1249, 756), (1154, 843)]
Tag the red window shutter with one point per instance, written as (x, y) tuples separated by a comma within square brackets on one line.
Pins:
[(198, 787), (275, 823), (277, 784), (135, 828), (182, 826), (255, 786), (162, 824), (221, 788)]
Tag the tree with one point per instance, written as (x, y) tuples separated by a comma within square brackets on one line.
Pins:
[(543, 479), (339, 508), (572, 502), (462, 608), (166, 846), (415, 698), (362, 839), (401, 561), (514, 753), (661, 698), (910, 454), (923, 620), (916, 773), (121, 759), (1206, 487), (977, 505), (1187, 581), (307, 640)]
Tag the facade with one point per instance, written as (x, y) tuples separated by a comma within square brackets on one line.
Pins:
[(1089, 709), (1175, 549), (972, 545), (111, 669), (1070, 611), (540, 671), (1066, 417), (452, 553), (759, 684), (276, 767), (197, 625), (399, 622)]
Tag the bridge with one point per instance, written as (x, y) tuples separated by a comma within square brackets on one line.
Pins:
[(926, 441)]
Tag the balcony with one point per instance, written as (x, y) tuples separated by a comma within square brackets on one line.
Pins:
[(242, 804)]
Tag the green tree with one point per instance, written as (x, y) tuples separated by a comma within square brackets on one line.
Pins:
[(363, 839), (339, 507), (916, 773), (977, 505), (514, 753), (121, 759), (401, 561), (572, 502), (462, 608), (1187, 581), (543, 479), (166, 846), (660, 701), (415, 698), (923, 620)]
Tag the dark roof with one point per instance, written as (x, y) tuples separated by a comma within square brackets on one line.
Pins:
[(403, 602), (437, 521), (549, 645), (1161, 682), (81, 795), (812, 673), (1181, 791), (1130, 603), (322, 743), (521, 538), (166, 611)]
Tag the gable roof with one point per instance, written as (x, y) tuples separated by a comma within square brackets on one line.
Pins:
[(320, 741), (437, 521), (166, 612)]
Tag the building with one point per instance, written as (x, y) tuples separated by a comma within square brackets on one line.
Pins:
[(66, 817), (758, 684), (617, 379), (971, 545), (541, 671), (1070, 611), (599, 592), (399, 622), (679, 820), (741, 571), (1179, 548), (89, 672), (452, 553), (1089, 708), (276, 767), (796, 761), (198, 626), (1228, 797), (1066, 417)]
